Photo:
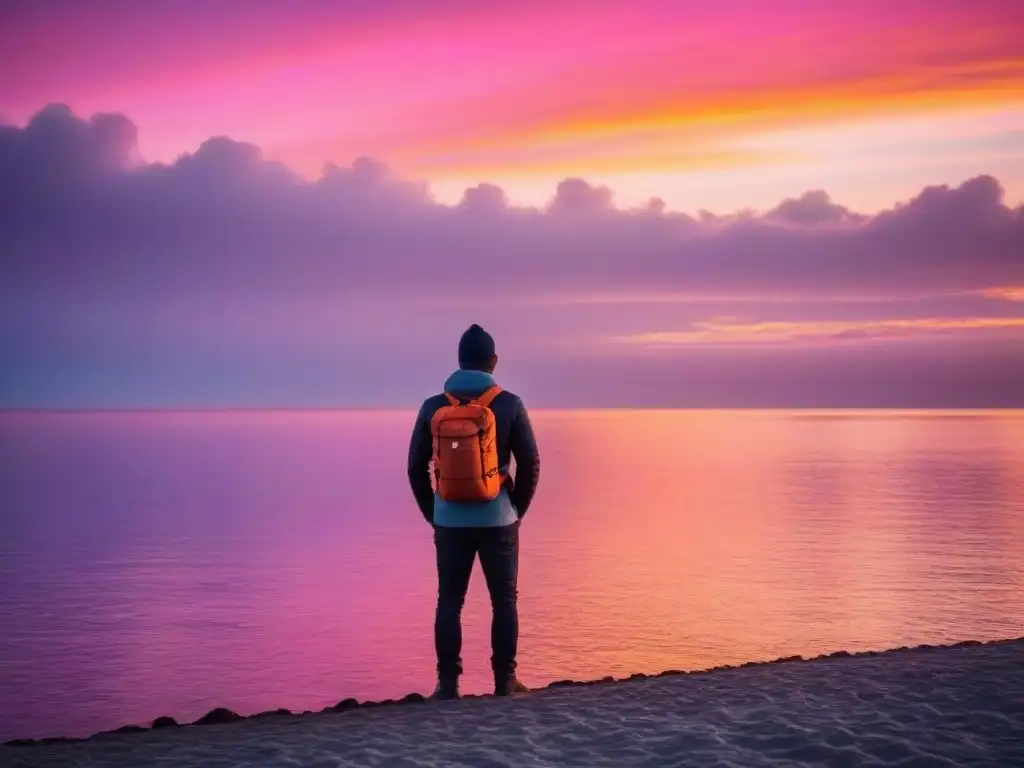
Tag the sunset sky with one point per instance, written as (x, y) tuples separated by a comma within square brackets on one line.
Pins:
[(650, 202)]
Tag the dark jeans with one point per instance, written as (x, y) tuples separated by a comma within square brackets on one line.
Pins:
[(457, 549)]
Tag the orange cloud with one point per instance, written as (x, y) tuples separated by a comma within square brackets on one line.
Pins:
[(734, 332), (1005, 293), (740, 110)]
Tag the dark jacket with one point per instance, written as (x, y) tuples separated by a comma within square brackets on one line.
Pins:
[(515, 440)]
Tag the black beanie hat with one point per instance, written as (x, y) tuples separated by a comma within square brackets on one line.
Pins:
[(476, 347)]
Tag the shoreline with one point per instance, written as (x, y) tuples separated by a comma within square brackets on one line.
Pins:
[(221, 715)]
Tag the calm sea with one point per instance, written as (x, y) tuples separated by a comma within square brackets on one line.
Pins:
[(165, 564)]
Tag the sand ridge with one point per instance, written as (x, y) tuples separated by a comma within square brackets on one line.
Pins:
[(944, 706)]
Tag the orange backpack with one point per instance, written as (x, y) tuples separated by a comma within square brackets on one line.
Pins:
[(466, 449)]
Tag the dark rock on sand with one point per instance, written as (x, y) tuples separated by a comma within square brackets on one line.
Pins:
[(117, 731), (413, 698), (164, 722), (278, 713), (346, 704), (218, 716)]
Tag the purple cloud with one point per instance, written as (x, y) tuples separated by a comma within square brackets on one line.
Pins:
[(187, 282), (812, 208)]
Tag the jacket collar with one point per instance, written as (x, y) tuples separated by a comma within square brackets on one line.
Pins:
[(471, 383)]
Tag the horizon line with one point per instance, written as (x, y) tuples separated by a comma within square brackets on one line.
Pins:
[(542, 409)]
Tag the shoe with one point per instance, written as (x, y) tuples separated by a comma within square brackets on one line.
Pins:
[(508, 685), (447, 689)]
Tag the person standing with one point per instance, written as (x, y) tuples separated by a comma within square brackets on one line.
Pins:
[(470, 433)]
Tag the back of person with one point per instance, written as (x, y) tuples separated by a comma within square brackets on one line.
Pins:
[(470, 433)]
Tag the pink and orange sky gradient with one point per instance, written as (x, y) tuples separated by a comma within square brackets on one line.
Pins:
[(648, 202), (718, 105)]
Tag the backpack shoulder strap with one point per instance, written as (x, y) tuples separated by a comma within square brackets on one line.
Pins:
[(488, 397), (452, 400)]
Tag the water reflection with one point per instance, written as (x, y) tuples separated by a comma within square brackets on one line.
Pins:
[(168, 563)]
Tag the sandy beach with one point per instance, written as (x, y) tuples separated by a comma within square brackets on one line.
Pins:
[(928, 706)]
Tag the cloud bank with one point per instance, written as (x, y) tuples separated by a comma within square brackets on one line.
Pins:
[(223, 278)]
